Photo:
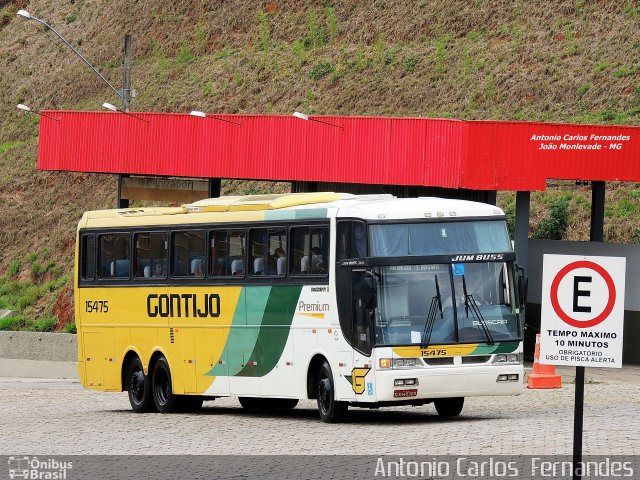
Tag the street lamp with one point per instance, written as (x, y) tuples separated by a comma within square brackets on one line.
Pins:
[(113, 108), (126, 92), (25, 108), (303, 116), (198, 113)]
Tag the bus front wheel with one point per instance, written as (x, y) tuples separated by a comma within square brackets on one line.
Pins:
[(449, 407), (330, 410), (139, 388)]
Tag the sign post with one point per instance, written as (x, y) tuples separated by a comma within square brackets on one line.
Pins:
[(582, 321)]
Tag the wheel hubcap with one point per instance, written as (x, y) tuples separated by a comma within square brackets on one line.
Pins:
[(136, 384), (324, 393), (162, 387)]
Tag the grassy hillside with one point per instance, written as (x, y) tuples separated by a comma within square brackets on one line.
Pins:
[(573, 61)]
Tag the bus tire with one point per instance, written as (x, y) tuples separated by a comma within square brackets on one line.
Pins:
[(139, 388), (163, 397), (330, 410), (449, 407)]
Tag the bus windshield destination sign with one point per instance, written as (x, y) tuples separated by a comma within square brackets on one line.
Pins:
[(582, 311)]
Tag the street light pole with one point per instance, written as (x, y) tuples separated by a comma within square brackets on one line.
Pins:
[(126, 81), (124, 95), (26, 15)]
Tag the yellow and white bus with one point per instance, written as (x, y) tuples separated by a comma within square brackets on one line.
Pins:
[(353, 300)]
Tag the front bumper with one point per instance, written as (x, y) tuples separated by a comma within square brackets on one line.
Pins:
[(450, 381)]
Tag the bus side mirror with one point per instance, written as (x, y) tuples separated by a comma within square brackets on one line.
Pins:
[(523, 286)]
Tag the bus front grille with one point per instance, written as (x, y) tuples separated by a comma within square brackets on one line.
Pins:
[(438, 362), (475, 359)]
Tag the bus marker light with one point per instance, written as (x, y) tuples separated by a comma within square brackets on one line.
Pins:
[(221, 362), (313, 331), (289, 364), (342, 364), (385, 363), (329, 331), (253, 363)]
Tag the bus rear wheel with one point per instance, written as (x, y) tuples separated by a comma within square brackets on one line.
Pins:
[(449, 407), (138, 386), (330, 410), (164, 398)]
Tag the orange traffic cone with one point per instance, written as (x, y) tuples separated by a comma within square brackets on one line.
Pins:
[(543, 376)]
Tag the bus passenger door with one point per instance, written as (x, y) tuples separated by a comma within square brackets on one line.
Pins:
[(364, 297)]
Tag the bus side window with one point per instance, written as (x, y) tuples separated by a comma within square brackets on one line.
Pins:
[(310, 250), (188, 249), (267, 247), (151, 255), (352, 240), (114, 255), (88, 252), (226, 253)]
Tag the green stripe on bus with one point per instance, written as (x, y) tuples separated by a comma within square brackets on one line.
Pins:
[(295, 214), (501, 347), (274, 331), (242, 337)]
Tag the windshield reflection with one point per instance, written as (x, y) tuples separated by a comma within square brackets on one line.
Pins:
[(482, 293)]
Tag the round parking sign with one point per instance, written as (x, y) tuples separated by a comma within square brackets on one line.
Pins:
[(609, 295)]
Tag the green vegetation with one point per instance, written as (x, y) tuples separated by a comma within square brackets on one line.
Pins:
[(29, 287), (555, 224)]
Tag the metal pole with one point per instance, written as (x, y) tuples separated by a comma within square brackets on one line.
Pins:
[(521, 236), (121, 202), (214, 187), (64, 40), (596, 234), (126, 82)]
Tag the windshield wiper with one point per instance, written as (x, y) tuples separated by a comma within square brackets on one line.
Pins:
[(436, 303), (469, 301)]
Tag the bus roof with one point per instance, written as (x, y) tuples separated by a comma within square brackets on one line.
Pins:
[(290, 206)]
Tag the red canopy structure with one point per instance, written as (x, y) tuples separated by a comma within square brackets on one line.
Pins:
[(478, 155)]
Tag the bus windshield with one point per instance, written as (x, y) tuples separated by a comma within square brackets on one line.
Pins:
[(462, 302), (439, 238)]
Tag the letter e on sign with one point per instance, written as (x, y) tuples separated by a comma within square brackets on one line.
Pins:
[(582, 311)]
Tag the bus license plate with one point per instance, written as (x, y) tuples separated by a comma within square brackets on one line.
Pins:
[(412, 392)]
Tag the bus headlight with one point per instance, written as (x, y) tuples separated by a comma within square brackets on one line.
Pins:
[(400, 363), (406, 362), (507, 358)]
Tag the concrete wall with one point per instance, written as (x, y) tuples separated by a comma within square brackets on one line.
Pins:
[(537, 248), (34, 354)]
